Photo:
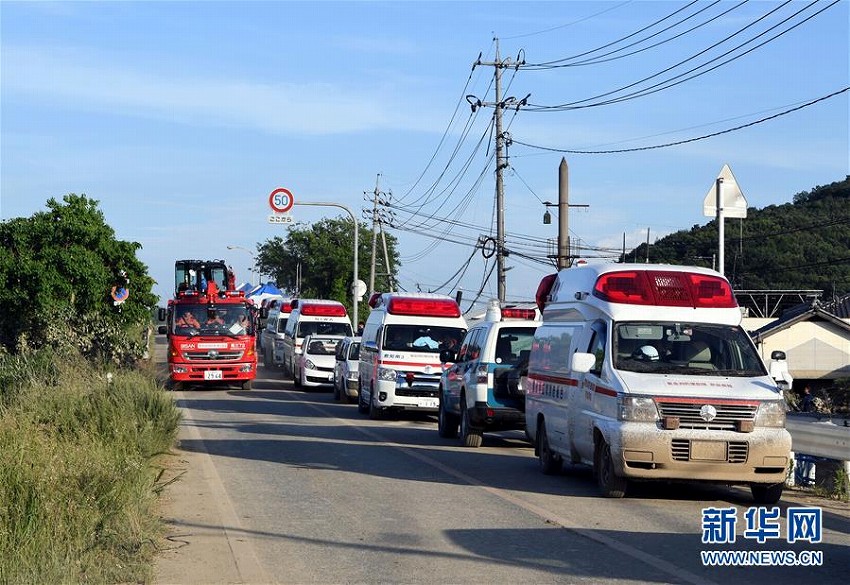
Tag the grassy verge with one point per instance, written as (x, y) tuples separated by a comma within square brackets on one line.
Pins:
[(78, 479)]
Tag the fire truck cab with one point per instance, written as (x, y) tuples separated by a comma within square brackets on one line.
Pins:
[(211, 328)]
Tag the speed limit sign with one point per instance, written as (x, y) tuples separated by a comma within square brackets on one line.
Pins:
[(281, 200)]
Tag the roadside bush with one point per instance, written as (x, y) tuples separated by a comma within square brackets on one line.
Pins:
[(77, 470)]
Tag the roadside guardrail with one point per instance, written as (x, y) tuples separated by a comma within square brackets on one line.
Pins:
[(814, 438)]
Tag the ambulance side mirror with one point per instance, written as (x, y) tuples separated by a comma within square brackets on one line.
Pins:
[(582, 362)]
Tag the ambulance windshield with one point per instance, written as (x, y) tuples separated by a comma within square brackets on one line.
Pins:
[(696, 349)]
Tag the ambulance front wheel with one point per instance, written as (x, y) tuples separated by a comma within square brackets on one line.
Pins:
[(362, 407), (766, 493), (611, 484), (550, 462), (375, 411)]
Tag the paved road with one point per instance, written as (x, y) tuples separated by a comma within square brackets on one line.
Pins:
[(288, 486)]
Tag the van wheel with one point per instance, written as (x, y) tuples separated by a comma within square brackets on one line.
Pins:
[(362, 407), (550, 462), (469, 436), (296, 378), (766, 493), (611, 484), (446, 422), (337, 396), (247, 385), (375, 412)]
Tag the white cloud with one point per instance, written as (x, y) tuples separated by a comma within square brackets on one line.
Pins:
[(318, 108)]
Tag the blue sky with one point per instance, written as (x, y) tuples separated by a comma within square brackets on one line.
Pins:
[(181, 118)]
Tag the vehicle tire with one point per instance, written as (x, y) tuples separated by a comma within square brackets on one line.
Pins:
[(247, 384), (176, 386), (550, 462), (337, 396), (375, 412), (296, 378), (362, 407), (469, 436), (766, 493), (446, 422), (610, 484)]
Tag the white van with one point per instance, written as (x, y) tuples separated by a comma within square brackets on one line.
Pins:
[(315, 366), (400, 351), (311, 317), (272, 334), (644, 372)]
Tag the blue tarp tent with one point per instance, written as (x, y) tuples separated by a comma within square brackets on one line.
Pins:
[(264, 291)]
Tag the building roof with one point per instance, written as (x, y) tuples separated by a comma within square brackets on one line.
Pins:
[(798, 314)]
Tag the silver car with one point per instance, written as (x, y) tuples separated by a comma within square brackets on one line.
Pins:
[(346, 367)]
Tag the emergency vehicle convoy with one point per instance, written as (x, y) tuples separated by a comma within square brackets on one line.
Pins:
[(475, 390), (400, 366), (644, 372), (210, 327)]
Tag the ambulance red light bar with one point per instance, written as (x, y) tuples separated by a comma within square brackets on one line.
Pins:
[(323, 310), (665, 288), (423, 307), (514, 313)]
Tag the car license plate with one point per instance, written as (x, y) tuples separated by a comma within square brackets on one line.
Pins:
[(430, 403), (213, 375), (708, 450)]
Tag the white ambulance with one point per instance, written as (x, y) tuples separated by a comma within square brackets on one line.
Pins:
[(311, 317), (400, 349), (644, 372)]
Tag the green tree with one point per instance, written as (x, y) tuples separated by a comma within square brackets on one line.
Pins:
[(57, 270), (324, 252)]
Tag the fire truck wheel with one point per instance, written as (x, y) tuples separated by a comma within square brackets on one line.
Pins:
[(247, 385), (176, 386)]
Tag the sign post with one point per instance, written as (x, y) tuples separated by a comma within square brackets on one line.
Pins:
[(724, 199)]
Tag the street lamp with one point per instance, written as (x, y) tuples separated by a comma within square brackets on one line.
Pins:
[(252, 269)]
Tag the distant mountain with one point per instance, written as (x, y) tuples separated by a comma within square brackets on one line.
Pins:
[(800, 245)]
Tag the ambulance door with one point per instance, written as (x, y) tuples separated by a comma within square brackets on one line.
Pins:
[(594, 341)]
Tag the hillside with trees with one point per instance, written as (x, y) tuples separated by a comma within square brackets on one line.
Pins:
[(804, 244)]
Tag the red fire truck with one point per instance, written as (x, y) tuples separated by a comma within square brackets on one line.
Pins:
[(211, 327)]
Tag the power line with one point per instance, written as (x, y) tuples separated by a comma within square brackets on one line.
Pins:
[(680, 142)]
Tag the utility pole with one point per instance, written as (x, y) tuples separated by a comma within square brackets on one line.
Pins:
[(374, 234), (502, 140), (563, 215), (380, 216)]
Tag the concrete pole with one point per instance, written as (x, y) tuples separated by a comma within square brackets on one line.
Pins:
[(500, 186), (374, 235), (563, 215), (720, 235), (354, 299)]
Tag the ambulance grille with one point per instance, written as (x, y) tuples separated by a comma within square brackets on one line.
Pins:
[(736, 451), (689, 414)]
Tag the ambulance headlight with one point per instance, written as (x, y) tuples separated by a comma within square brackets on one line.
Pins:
[(637, 409), (387, 374), (771, 413)]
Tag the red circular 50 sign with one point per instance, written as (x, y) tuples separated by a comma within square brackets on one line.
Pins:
[(281, 200)]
